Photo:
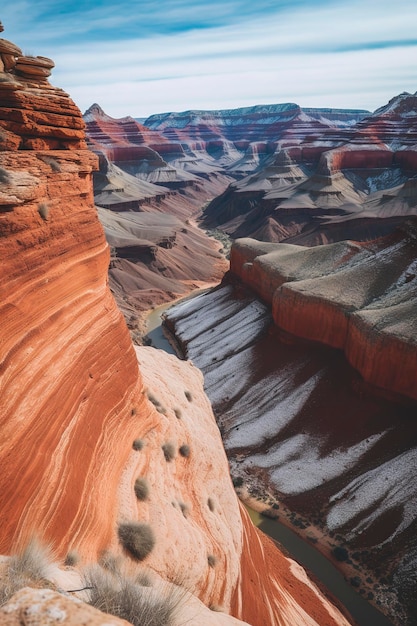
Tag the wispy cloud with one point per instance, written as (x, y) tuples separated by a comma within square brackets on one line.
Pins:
[(176, 55)]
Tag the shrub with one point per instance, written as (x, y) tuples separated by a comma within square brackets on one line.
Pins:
[(27, 568), (110, 562), (340, 554), (210, 504), (188, 395), (237, 481), (211, 560), (137, 604), (43, 210), (157, 404), (141, 488), (137, 538), (137, 444), (72, 558), (168, 449), (184, 450), (185, 509)]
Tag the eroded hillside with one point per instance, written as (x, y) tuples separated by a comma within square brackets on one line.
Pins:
[(309, 359)]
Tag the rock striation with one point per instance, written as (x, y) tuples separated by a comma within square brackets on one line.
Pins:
[(352, 181), (309, 359), (360, 298), (83, 416)]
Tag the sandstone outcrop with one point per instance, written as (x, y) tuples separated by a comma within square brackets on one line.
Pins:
[(358, 298), (83, 417)]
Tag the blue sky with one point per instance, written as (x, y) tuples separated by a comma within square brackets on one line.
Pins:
[(138, 58)]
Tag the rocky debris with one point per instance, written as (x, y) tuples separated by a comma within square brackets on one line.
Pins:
[(44, 607)]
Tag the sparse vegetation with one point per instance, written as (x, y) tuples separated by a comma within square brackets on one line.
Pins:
[(184, 450), (211, 560), (141, 488), (109, 561), (168, 449), (210, 504), (157, 404), (237, 481), (28, 568), (43, 210), (136, 603), (185, 509), (72, 558), (137, 538), (188, 395), (138, 444), (340, 554)]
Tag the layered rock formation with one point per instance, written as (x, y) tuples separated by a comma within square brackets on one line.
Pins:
[(148, 195), (81, 422), (358, 181), (324, 441)]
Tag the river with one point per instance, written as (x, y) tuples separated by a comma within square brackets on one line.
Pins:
[(305, 553)]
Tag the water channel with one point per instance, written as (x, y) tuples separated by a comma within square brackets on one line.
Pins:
[(305, 553)]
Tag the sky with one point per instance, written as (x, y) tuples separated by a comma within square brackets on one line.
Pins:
[(143, 57)]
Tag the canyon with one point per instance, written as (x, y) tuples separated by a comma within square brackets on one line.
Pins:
[(278, 173), (109, 450), (309, 361), (308, 347)]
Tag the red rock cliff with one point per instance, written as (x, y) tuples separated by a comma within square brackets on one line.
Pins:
[(74, 400), (360, 298)]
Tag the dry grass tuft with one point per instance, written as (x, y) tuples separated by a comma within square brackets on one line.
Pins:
[(28, 568), (136, 603)]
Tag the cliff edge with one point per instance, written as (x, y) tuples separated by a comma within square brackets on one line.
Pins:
[(98, 442)]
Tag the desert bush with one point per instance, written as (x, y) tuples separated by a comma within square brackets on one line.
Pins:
[(168, 449), (138, 444), (211, 560), (28, 568), (210, 504), (4, 176), (188, 395), (157, 404), (110, 561), (72, 558), (185, 509), (137, 604), (141, 488), (137, 538), (43, 210), (184, 450)]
